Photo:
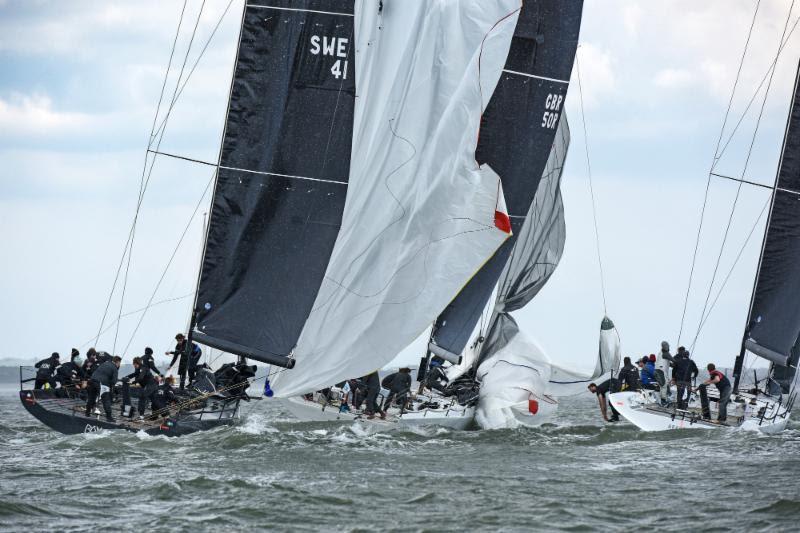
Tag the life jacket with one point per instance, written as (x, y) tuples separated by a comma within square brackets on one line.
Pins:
[(723, 382)]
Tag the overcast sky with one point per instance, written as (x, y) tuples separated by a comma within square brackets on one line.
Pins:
[(79, 87)]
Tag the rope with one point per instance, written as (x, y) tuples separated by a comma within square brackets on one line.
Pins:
[(739, 186), (155, 117), (169, 263), (713, 163), (129, 313), (149, 173), (591, 187), (730, 272), (159, 132)]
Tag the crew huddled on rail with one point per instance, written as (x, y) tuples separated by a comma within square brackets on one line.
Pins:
[(653, 373), (96, 379)]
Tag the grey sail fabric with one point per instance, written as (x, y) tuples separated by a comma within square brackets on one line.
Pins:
[(774, 324), (282, 179), (516, 133), (538, 249)]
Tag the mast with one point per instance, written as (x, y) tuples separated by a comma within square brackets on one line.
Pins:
[(786, 184)]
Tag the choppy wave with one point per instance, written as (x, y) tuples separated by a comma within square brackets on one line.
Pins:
[(271, 472)]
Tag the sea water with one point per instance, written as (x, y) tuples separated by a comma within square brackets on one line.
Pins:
[(272, 472)]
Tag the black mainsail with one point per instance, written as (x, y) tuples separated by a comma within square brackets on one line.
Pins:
[(773, 330), (282, 177), (517, 133)]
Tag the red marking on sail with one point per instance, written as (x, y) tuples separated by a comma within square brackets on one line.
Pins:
[(502, 221), (533, 406)]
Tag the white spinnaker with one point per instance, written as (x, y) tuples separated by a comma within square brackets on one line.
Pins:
[(419, 219)]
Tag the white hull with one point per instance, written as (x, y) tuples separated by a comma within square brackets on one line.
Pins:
[(453, 417), (643, 410)]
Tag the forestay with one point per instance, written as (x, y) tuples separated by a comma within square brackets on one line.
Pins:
[(282, 179), (421, 216), (518, 130)]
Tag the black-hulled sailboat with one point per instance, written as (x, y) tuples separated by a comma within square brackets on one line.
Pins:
[(772, 331)]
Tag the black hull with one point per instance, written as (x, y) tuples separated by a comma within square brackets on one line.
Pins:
[(66, 416)]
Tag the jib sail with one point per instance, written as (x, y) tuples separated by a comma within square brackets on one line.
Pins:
[(282, 178), (517, 133), (774, 322)]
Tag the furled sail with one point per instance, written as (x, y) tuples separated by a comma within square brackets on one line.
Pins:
[(517, 132), (774, 325), (421, 216), (282, 178)]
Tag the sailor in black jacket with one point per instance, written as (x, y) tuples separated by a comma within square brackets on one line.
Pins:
[(149, 361), (45, 370), (102, 383), (70, 373)]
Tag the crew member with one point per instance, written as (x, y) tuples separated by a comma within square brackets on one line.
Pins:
[(373, 384), (188, 360), (70, 374), (164, 395), (399, 389), (102, 383), (629, 376), (90, 363), (602, 392), (149, 361), (647, 373), (723, 386), (684, 370), (436, 377), (666, 362), (45, 369)]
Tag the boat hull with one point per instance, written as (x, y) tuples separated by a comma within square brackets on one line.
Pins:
[(310, 411), (65, 415), (640, 410)]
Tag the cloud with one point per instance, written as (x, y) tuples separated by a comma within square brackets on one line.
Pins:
[(672, 78), (34, 115), (597, 74), (632, 16)]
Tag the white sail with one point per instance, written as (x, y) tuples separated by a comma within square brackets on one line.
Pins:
[(421, 217)]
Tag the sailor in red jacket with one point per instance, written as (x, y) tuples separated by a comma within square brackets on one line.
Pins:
[(717, 378)]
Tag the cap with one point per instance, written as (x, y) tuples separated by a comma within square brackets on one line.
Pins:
[(179, 336), (75, 352), (55, 354), (148, 351)]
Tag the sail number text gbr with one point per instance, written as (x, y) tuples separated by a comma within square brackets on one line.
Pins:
[(552, 106), (334, 47)]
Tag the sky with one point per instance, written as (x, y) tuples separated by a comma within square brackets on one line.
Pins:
[(79, 84)]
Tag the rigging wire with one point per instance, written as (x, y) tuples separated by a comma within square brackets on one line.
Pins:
[(758, 88), (744, 172), (153, 135), (145, 182), (591, 187), (129, 313), (169, 263), (730, 272), (155, 117), (713, 163)]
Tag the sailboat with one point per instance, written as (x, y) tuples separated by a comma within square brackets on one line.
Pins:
[(524, 137), (772, 331)]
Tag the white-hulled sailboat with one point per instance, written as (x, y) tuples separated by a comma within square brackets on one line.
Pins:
[(772, 329)]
